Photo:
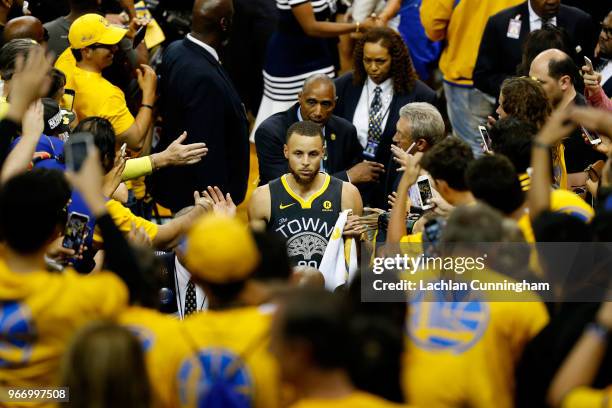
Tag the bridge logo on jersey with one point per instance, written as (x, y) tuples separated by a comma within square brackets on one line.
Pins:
[(201, 376), (17, 334), (437, 324)]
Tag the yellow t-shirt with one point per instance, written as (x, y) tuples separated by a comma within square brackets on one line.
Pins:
[(357, 399), (464, 353), (163, 344), (221, 337), (585, 397), (39, 314), (95, 96), (124, 218)]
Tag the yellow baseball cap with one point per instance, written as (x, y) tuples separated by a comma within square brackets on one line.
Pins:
[(220, 250), (93, 29)]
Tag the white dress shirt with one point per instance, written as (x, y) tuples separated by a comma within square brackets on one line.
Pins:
[(535, 22), (207, 47), (362, 111), (606, 72), (182, 279)]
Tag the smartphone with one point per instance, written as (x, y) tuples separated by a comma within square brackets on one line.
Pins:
[(486, 140), (425, 192), (68, 99), (588, 63), (75, 232), (123, 149), (139, 36), (76, 150), (592, 136)]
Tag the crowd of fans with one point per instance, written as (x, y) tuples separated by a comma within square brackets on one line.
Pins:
[(190, 218)]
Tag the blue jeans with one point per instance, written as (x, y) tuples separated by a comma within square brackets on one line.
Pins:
[(467, 109)]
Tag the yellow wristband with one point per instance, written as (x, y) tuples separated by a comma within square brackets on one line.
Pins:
[(135, 168)]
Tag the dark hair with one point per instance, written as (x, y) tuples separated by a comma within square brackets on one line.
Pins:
[(565, 66), (32, 207), (147, 292), (274, 263), (58, 81), (104, 138), (402, 71), (492, 179), (560, 227), (448, 160), (321, 319), (543, 39), (525, 99), (105, 367), (9, 53), (473, 224), (78, 56), (512, 138), (304, 128)]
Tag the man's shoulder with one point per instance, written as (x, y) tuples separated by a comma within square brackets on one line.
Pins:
[(573, 13), (344, 80), (340, 125), (276, 124)]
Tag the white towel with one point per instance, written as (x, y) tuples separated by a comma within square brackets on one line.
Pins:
[(334, 263)]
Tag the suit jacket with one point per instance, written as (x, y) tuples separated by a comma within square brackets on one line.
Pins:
[(499, 55), (343, 148), (197, 96), (348, 98)]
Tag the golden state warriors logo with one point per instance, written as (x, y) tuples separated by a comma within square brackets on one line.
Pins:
[(212, 372), (440, 325), (16, 334), (327, 205)]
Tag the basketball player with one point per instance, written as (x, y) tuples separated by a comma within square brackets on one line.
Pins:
[(304, 205)]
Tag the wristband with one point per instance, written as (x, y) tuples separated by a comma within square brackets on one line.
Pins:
[(537, 143), (144, 105), (599, 330)]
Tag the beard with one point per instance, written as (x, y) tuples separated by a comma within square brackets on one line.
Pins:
[(302, 180)]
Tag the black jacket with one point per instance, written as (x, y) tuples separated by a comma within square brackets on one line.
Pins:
[(348, 98), (343, 148), (197, 96), (499, 55)]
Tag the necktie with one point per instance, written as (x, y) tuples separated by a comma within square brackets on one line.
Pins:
[(190, 299), (375, 118)]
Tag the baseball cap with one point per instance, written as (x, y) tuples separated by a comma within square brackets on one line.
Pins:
[(93, 29), (56, 119), (220, 250)]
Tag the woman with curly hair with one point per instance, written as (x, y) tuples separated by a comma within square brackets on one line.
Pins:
[(524, 99), (383, 80)]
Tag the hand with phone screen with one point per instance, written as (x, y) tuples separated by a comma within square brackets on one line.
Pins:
[(592, 79)]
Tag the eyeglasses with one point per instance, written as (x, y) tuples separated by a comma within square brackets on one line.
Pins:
[(606, 29)]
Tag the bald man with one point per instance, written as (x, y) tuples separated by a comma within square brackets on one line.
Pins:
[(316, 102), (25, 27), (558, 74), (198, 96)]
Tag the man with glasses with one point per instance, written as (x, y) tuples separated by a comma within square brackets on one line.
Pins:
[(93, 42), (604, 56)]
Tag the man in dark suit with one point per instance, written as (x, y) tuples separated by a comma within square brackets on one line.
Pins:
[(316, 103), (349, 95), (197, 96), (501, 46)]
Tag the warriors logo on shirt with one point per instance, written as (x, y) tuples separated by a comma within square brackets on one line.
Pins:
[(438, 324), (17, 334), (198, 375)]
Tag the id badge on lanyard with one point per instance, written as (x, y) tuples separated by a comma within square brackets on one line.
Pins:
[(371, 149)]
